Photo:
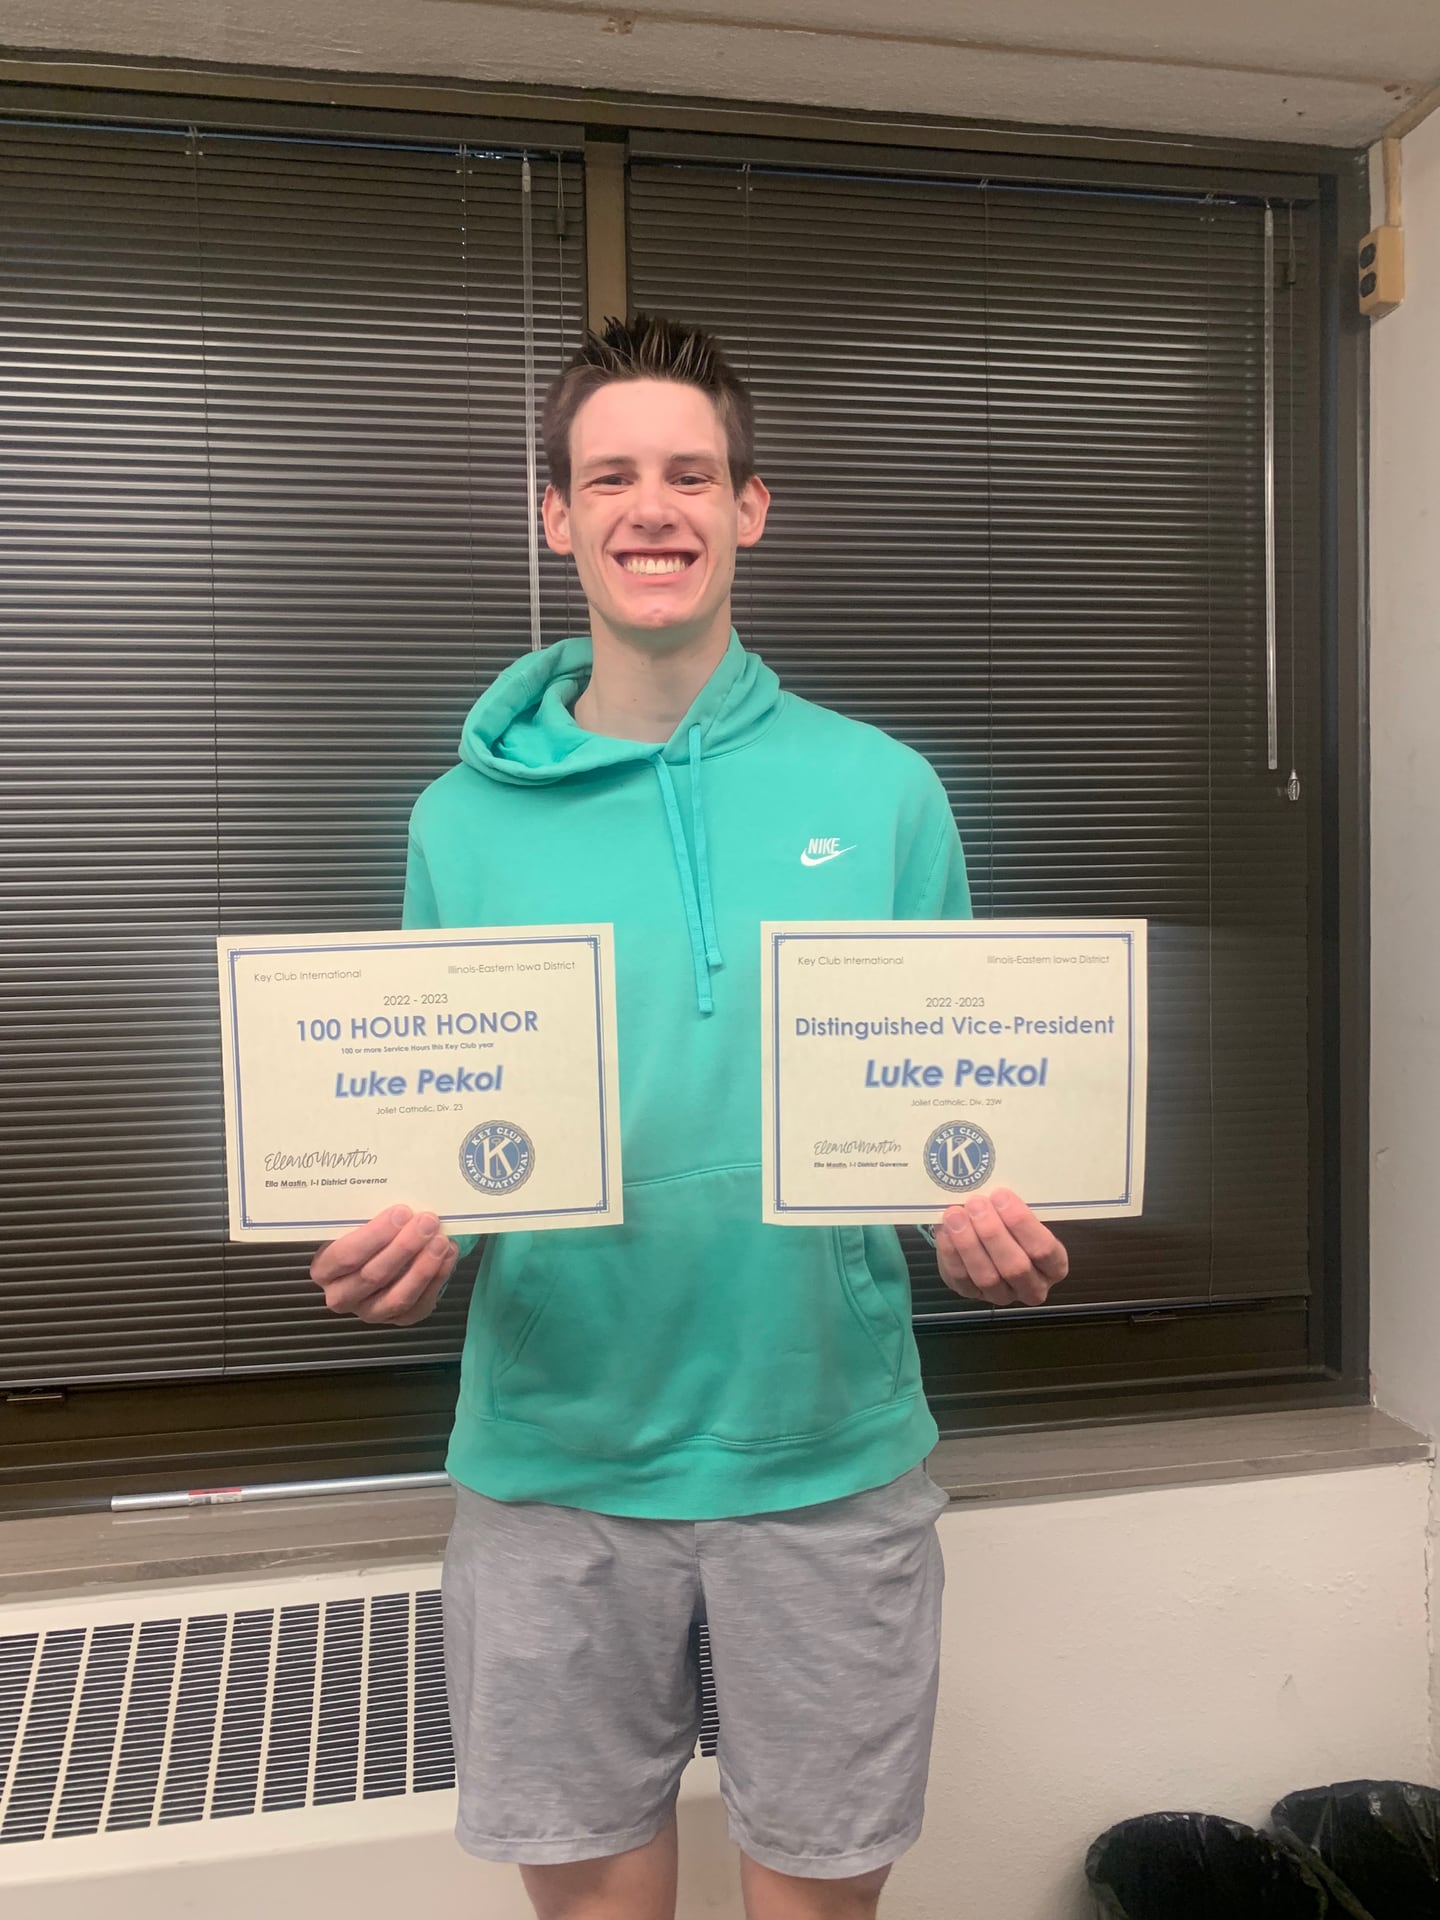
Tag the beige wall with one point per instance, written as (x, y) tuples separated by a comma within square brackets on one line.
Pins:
[(1287, 70), (1405, 822), (1405, 801), (1208, 1647)]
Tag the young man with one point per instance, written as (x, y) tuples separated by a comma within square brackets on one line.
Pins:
[(693, 1416)]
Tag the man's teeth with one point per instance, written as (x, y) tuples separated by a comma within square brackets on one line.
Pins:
[(654, 563)]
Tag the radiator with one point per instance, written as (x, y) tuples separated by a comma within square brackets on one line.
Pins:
[(232, 1750)]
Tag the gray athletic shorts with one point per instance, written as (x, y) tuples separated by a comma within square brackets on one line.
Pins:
[(570, 1657)]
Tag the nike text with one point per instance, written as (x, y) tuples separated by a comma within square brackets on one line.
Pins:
[(819, 851)]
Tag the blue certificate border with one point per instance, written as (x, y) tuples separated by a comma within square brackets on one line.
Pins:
[(388, 946), (936, 1202)]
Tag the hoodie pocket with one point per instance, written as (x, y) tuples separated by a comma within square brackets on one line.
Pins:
[(518, 1286), (869, 1305), (691, 1321)]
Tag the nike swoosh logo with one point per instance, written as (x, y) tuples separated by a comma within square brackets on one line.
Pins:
[(819, 859)]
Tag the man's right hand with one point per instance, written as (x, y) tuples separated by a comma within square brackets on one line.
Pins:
[(388, 1272)]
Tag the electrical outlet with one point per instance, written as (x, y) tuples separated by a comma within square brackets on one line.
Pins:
[(1382, 271)]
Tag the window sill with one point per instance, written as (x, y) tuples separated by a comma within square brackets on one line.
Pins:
[(78, 1553), (1060, 1462), (74, 1554)]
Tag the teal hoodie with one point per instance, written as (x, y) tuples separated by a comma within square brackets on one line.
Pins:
[(692, 1363)]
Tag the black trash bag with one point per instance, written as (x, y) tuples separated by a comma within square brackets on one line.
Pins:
[(1196, 1866), (1379, 1838)]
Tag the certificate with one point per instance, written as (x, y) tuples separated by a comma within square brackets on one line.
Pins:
[(908, 1064), (469, 1073)]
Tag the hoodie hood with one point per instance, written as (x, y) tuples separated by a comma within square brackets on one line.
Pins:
[(521, 731)]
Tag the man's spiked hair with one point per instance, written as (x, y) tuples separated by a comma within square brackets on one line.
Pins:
[(647, 347)]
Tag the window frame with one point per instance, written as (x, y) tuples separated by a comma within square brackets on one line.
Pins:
[(76, 1447)]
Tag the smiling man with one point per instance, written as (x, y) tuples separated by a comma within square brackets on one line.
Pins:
[(694, 1416)]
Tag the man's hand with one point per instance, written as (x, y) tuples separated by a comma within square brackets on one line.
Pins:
[(388, 1272), (994, 1249)]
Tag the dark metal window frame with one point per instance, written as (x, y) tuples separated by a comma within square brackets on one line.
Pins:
[(58, 1450)]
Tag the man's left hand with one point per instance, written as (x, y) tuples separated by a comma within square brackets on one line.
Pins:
[(994, 1249)]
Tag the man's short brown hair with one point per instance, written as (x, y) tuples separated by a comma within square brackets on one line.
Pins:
[(647, 347)]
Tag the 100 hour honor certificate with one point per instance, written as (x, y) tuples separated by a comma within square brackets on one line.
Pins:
[(471, 1073)]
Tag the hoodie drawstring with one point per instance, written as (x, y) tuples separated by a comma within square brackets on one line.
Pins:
[(702, 856), (694, 887)]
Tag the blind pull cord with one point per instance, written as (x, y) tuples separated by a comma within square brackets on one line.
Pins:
[(1272, 698), (1292, 276), (532, 490)]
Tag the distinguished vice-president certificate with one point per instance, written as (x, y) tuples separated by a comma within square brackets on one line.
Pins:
[(470, 1073), (909, 1064)]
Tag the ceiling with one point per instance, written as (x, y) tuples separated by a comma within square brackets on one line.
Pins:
[(1324, 71)]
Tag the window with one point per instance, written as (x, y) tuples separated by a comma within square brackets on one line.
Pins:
[(265, 387), (1016, 432), (265, 531)]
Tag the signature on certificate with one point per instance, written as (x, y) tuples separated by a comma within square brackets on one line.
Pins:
[(343, 1158)]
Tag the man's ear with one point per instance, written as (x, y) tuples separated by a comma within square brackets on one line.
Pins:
[(555, 513), (752, 504)]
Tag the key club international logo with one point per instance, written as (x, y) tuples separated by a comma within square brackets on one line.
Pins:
[(496, 1157), (959, 1157)]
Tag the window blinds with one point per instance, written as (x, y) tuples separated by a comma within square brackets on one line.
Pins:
[(263, 512), (1015, 437)]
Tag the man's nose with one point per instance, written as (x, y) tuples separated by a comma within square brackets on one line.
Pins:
[(649, 504)]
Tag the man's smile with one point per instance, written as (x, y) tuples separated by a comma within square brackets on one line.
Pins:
[(642, 564)]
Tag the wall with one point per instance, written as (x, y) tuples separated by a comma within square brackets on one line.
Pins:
[(1283, 71), (1208, 1647), (1405, 801), (1405, 821)]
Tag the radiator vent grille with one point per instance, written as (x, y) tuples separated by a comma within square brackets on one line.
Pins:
[(215, 1715), (151, 1723)]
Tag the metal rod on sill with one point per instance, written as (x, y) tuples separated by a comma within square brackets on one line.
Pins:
[(277, 1490)]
